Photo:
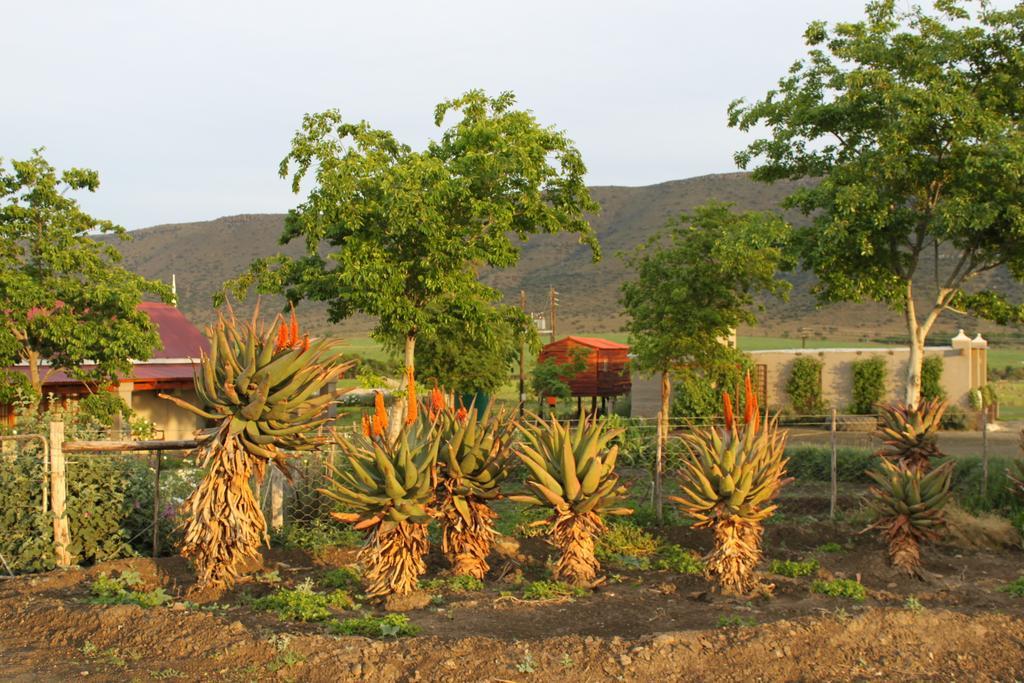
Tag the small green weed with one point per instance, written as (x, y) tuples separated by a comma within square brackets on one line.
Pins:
[(302, 603), (528, 665), (109, 590), (1015, 587), (625, 539), (341, 577), (913, 604), (284, 660), (793, 568), (551, 590), (164, 674), (388, 626), (268, 577), (676, 559), (840, 588), (453, 584), (830, 547), (735, 621)]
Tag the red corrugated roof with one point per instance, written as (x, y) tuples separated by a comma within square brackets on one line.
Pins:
[(181, 340), (180, 337), (597, 343)]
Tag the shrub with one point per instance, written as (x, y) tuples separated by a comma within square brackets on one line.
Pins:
[(804, 386), (815, 463), (735, 621), (341, 577), (302, 603), (840, 588), (1015, 587), (792, 568), (954, 419), (931, 379), (109, 590), (551, 590), (636, 443), (868, 385), (315, 536), (388, 626), (698, 393), (625, 539), (676, 559)]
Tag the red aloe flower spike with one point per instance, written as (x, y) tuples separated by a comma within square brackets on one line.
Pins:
[(294, 338), (749, 402), (727, 402), (282, 337), (380, 415), (367, 427)]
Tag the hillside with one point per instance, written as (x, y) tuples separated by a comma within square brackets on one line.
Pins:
[(203, 255)]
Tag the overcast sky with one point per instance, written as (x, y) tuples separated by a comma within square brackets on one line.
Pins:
[(186, 108)]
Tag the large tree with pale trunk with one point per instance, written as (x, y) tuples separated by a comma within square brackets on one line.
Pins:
[(400, 234), (66, 303), (909, 125)]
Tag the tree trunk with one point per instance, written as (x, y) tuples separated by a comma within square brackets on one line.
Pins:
[(659, 461), (399, 408), (33, 373), (918, 333)]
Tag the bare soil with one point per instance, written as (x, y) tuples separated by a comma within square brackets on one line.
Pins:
[(638, 626)]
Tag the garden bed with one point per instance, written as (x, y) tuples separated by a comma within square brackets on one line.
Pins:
[(642, 624)]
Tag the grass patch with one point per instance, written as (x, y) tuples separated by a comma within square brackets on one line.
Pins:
[(346, 578), (110, 590), (302, 603), (1015, 587), (792, 568), (841, 588), (315, 536), (388, 626), (552, 590), (453, 584), (625, 539), (830, 547), (677, 559)]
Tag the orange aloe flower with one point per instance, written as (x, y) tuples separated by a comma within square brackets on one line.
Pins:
[(729, 420), (380, 414)]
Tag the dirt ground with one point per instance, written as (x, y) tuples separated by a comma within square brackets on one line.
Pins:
[(639, 626)]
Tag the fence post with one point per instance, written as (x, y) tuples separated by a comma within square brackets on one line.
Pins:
[(658, 460), (156, 503), (984, 451), (833, 474), (276, 500), (59, 495)]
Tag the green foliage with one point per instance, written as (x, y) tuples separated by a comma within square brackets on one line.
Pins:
[(793, 568), (120, 590), (369, 626), (912, 604), (623, 539), (830, 547), (473, 346), (454, 584), (315, 536), (699, 281), (697, 391), (636, 447), (98, 506), (954, 419), (909, 125), (49, 262), (400, 234), (931, 379), (675, 559), (735, 621), (346, 578), (813, 463), (1015, 587), (840, 588), (552, 590), (869, 377), (550, 378), (804, 386), (302, 603)]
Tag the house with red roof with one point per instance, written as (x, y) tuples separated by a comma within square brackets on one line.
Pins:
[(170, 370)]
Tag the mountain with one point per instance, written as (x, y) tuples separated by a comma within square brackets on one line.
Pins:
[(203, 255)]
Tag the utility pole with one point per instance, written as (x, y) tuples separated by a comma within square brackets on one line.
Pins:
[(554, 311), (522, 359)]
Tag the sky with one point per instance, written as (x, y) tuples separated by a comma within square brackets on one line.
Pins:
[(186, 108)]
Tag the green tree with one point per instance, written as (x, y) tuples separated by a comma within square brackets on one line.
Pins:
[(551, 378), (399, 234), (475, 347), (65, 299), (694, 286), (909, 124)]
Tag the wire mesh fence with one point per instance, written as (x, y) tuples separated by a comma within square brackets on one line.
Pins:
[(120, 503)]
